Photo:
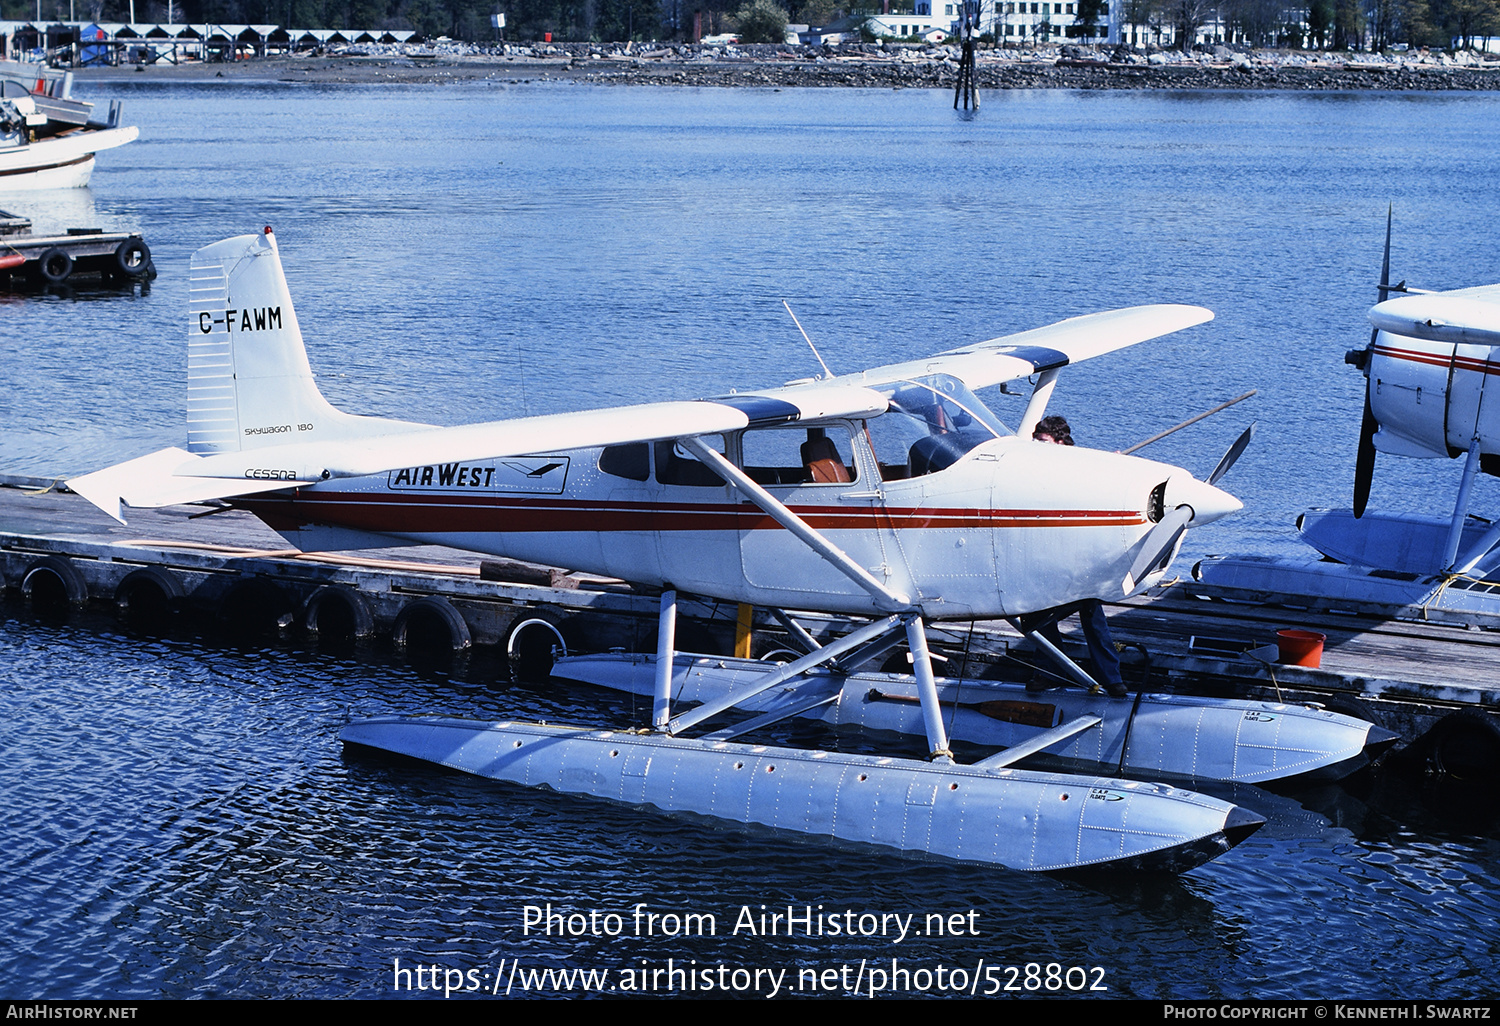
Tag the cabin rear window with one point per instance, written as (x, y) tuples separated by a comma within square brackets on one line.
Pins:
[(676, 466), (631, 461)]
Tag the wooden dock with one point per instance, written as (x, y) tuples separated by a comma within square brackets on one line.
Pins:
[(228, 570), (53, 259)]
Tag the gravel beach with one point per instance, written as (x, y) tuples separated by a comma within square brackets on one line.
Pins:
[(859, 65)]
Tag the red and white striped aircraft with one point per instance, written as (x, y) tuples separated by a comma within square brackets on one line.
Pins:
[(889, 491)]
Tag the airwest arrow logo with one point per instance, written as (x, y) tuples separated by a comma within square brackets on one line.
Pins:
[(267, 318)]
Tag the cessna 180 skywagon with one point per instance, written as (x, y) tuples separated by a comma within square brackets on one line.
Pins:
[(892, 494)]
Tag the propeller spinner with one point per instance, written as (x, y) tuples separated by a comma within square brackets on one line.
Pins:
[(1192, 503)]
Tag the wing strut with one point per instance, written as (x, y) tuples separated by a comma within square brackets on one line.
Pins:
[(1036, 406), (778, 512), (916, 630)]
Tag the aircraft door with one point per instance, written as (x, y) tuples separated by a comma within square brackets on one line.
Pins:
[(696, 518), (815, 472), (1409, 395), (630, 551), (1473, 406)]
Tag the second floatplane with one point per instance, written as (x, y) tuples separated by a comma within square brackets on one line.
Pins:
[(892, 495)]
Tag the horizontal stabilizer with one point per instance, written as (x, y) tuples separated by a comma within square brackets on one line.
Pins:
[(151, 481)]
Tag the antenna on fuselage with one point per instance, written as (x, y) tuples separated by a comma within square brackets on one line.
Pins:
[(826, 372)]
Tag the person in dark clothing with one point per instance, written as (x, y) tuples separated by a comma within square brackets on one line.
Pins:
[(1096, 634)]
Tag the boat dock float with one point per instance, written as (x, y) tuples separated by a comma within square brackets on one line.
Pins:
[(225, 568), (53, 259)]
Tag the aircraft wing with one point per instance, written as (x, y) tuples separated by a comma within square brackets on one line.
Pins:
[(1057, 345), (1462, 316), (174, 476)]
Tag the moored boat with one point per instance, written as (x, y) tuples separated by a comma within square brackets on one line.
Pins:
[(47, 138)]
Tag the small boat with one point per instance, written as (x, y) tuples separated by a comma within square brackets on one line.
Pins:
[(47, 138)]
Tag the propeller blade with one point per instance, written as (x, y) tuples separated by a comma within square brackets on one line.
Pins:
[(1385, 265), (1233, 454), (1158, 545), (1364, 460)]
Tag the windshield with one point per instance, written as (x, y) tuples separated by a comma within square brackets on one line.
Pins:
[(930, 423)]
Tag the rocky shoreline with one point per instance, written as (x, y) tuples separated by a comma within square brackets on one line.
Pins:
[(849, 65)]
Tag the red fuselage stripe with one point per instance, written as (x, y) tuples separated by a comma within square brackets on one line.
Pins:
[(462, 514), (1464, 363)]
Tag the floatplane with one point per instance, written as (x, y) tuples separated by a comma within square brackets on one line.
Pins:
[(892, 496), (1429, 366)]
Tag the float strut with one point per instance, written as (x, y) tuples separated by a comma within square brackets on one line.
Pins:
[(666, 646), (1461, 508), (1068, 666), (932, 715)]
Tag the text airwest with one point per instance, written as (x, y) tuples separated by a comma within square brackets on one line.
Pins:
[(523, 474), (267, 318), (444, 475)]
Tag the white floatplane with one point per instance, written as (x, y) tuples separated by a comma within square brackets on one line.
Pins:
[(47, 138), (1429, 366), (892, 495)]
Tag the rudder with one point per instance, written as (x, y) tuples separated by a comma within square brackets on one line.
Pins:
[(249, 382)]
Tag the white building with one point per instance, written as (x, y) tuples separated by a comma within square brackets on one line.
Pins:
[(1009, 21), (1045, 21), (920, 23)]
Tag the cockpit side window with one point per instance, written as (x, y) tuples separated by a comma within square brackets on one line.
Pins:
[(799, 456), (632, 461)]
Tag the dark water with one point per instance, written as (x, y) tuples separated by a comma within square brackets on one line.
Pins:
[(180, 819)]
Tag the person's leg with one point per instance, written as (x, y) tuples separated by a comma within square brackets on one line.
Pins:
[(1101, 645)]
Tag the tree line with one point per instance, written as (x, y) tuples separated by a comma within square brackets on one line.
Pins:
[(1320, 24)]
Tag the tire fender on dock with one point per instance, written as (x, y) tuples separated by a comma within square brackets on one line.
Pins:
[(431, 623), (252, 606), (132, 259), (149, 598), (54, 265), (337, 611), (532, 645), (1464, 745), (54, 583)]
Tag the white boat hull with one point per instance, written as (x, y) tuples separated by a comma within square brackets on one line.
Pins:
[(1012, 818), (63, 162), (1158, 736)]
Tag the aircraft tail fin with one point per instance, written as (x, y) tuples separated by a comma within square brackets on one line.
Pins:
[(249, 382)]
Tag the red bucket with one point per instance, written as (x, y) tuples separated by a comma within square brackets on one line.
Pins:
[(1300, 648)]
